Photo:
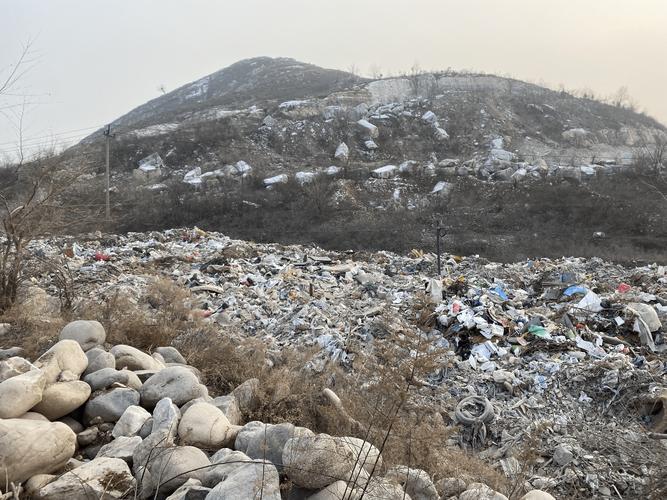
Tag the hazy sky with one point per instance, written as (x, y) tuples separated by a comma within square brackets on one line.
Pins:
[(97, 60)]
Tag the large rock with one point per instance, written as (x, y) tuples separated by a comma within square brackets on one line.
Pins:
[(87, 333), (65, 356), (171, 355), (134, 359), (62, 398), (166, 417), (247, 395), (173, 466), (480, 491), (130, 422), (14, 366), (537, 495), (267, 441), (100, 478), (98, 359), (336, 491), (106, 377), (367, 129), (110, 405), (230, 407), (235, 475), (416, 482), (204, 425), (122, 447), (29, 447), (316, 461), (381, 488), (176, 382), (365, 454), (192, 489), (20, 393)]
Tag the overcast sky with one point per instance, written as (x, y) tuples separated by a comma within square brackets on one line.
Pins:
[(97, 60)]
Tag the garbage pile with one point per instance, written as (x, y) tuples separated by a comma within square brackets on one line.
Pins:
[(82, 422), (568, 354)]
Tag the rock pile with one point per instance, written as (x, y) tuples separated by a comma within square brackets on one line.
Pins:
[(85, 422)]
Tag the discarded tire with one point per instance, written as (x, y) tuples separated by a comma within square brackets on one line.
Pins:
[(474, 410)]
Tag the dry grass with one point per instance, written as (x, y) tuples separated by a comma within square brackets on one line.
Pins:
[(384, 394)]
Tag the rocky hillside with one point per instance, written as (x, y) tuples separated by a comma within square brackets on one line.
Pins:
[(277, 150)]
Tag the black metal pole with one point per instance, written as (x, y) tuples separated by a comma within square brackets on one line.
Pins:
[(437, 247)]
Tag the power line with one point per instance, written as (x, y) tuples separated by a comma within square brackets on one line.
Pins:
[(50, 136)]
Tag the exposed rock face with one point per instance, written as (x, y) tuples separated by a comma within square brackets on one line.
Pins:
[(29, 447)]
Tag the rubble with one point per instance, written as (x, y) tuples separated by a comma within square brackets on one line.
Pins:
[(546, 347)]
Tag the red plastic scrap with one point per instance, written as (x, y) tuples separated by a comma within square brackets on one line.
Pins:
[(623, 288), (100, 256)]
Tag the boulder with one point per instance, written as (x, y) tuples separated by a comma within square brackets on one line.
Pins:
[(537, 495), (98, 359), (365, 454), (122, 447), (100, 478), (266, 441), (247, 395), (450, 486), (14, 366), (173, 466), (480, 491), (11, 352), (381, 488), (166, 417), (416, 482), (230, 407), (106, 377), (171, 355), (336, 491), (130, 422), (133, 359), (316, 461), (367, 129), (386, 172), (235, 475), (192, 489), (29, 447), (36, 483), (342, 152), (88, 436), (176, 382), (65, 356), (31, 415), (204, 425), (110, 405), (62, 398), (20, 393), (87, 333)]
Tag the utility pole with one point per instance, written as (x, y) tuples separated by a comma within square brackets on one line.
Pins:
[(107, 135), (438, 235)]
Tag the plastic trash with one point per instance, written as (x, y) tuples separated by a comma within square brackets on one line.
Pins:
[(574, 290), (591, 303)]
